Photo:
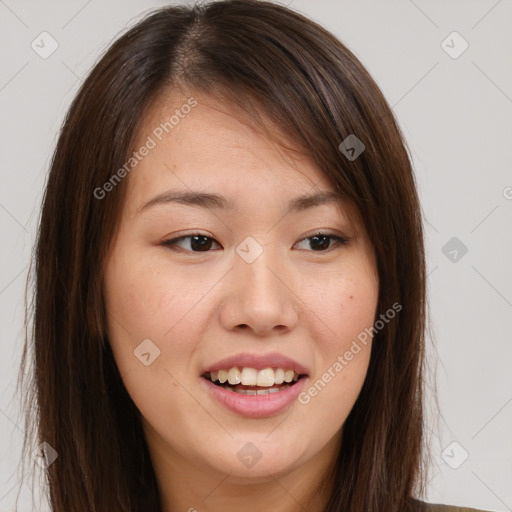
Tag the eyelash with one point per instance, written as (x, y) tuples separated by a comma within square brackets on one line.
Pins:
[(172, 243)]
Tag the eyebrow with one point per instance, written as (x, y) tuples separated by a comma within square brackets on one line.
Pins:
[(219, 202)]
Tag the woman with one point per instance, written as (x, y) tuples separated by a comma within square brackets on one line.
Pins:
[(230, 301)]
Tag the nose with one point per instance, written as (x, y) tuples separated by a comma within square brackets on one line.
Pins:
[(260, 298)]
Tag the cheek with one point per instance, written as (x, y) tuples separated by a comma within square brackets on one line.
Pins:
[(344, 308), (147, 300), (344, 313), (144, 303), (140, 306)]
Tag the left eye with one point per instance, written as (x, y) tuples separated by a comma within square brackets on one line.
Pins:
[(320, 242)]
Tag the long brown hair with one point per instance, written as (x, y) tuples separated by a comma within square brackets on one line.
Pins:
[(264, 58)]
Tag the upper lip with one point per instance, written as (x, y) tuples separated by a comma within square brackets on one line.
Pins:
[(258, 362)]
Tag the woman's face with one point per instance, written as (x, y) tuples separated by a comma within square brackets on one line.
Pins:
[(245, 279)]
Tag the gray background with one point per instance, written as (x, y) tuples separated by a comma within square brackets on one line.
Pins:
[(456, 117)]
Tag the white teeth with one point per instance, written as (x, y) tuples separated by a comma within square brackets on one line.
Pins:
[(258, 391), (266, 377), (223, 376), (234, 376), (251, 377), (279, 376), (288, 375)]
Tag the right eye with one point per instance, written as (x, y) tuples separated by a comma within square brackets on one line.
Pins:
[(196, 243)]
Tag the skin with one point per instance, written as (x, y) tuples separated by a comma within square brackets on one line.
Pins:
[(198, 307)]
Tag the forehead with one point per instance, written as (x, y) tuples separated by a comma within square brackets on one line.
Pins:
[(205, 144)]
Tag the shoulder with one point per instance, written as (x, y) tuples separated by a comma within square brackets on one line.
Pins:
[(436, 507)]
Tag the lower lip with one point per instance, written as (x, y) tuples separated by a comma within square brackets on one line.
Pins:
[(255, 406)]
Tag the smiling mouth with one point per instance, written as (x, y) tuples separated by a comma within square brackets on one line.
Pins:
[(249, 381)]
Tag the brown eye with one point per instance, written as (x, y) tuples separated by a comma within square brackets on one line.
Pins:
[(321, 242), (195, 243)]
